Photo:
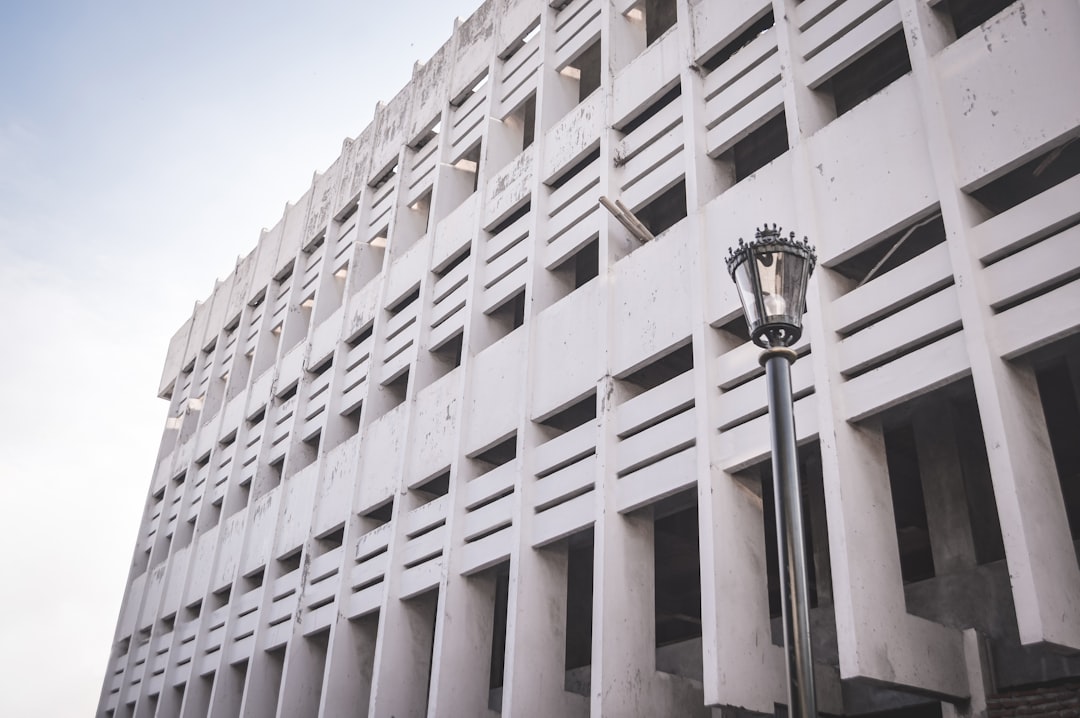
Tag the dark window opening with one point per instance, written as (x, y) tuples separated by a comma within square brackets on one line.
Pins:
[(967, 15), (403, 303), (168, 623), (510, 219), (760, 147), (254, 580), (663, 369), (473, 87), (332, 540), (573, 416), (448, 353), (666, 210), (509, 315), (677, 577), (470, 162), (433, 488), (521, 41), (736, 328), (579, 601), (660, 16), (870, 74), (398, 388), (502, 453), (352, 419), (1031, 178), (380, 514), (322, 367), (274, 475), (422, 208), (528, 122), (1058, 385), (498, 632), (361, 336), (426, 136), (220, 597), (892, 251), (909, 507), (523, 121), (577, 169), (310, 448), (586, 264), (289, 562), (452, 263), (652, 110), (385, 176), (288, 392), (586, 67), (728, 50)]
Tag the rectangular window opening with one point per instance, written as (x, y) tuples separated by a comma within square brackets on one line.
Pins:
[(893, 251), (652, 110), (871, 73), (586, 68), (498, 634), (579, 610), (666, 210), (1059, 382), (573, 416), (578, 167), (1031, 178), (662, 369), (968, 15), (501, 453), (676, 582), (660, 16), (751, 33), (760, 147)]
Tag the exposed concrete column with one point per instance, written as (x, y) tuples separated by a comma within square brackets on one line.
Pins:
[(350, 660), (462, 652), (1035, 530), (403, 655), (947, 516), (302, 680), (624, 631), (877, 640), (228, 690), (535, 675), (742, 667), (263, 685)]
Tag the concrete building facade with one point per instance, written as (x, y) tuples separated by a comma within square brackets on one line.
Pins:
[(454, 440)]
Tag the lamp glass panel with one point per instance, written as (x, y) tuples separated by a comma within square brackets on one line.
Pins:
[(745, 284), (782, 279)]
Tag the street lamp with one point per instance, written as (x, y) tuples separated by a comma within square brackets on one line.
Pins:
[(771, 273)]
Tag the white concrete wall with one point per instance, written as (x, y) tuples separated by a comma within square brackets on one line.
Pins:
[(259, 482)]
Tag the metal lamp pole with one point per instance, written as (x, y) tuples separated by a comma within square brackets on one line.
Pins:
[(771, 274)]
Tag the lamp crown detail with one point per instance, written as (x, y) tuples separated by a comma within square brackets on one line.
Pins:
[(768, 235)]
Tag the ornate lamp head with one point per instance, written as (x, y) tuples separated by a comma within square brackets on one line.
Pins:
[(771, 273)]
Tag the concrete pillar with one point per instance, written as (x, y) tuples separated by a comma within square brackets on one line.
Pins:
[(263, 683), (535, 675), (947, 514), (462, 655), (302, 680), (1035, 530), (400, 682), (228, 690), (350, 662)]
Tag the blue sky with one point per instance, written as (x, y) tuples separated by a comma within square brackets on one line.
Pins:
[(142, 147)]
